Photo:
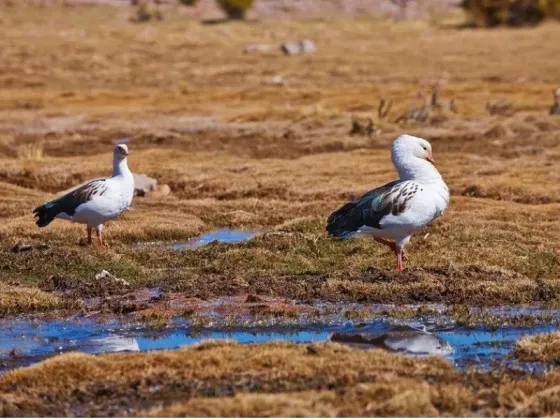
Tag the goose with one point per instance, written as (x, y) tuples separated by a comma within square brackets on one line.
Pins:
[(393, 212), (95, 202)]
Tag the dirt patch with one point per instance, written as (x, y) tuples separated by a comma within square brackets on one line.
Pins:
[(451, 285), (100, 287)]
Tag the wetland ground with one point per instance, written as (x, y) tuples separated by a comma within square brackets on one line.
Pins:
[(264, 142)]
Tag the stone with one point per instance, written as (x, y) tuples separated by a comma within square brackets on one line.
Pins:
[(290, 48), (415, 342), (143, 184), (275, 81), (299, 47), (162, 190), (20, 247), (104, 275), (307, 46)]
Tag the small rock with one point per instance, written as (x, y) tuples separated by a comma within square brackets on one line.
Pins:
[(398, 341), (290, 48), (275, 81), (299, 47), (143, 184), (105, 275), (163, 190), (307, 46), (21, 248)]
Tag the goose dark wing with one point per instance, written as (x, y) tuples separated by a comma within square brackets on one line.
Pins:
[(369, 210), (69, 202)]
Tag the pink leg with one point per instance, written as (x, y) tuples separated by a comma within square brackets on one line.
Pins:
[(99, 237), (393, 247), (400, 265), (89, 235)]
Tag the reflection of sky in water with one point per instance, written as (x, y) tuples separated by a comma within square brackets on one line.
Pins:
[(177, 340), (471, 346), (221, 235), (484, 345)]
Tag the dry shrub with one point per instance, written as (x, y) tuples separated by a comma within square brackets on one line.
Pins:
[(539, 348), (235, 9), (31, 151), (489, 13), (15, 300)]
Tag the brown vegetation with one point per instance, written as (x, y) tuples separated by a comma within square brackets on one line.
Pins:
[(14, 300), (277, 379), (238, 152), (539, 348)]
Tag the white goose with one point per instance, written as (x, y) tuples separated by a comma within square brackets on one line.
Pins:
[(400, 208), (95, 202)]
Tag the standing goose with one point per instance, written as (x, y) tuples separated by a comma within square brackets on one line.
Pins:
[(95, 202), (395, 211)]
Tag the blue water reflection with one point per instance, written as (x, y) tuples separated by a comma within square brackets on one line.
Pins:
[(479, 347), (220, 235)]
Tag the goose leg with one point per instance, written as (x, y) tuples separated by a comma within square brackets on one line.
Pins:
[(393, 247), (400, 244), (400, 265), (99, 231), (89, 229)]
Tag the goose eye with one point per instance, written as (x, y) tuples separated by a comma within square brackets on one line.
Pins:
[(424, 147)]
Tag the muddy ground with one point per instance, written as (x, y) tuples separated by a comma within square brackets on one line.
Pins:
[(261, 140)]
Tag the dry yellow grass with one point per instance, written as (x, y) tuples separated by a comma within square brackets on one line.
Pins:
[(276, 379), (539, 348), (239, 152), (14, 300)]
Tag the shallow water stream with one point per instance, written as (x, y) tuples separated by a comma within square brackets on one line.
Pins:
[(23, 341)]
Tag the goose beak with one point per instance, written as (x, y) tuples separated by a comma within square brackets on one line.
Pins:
[(431, 159)]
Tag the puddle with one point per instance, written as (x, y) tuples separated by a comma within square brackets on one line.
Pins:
[(220, 235), (224, 235), (23, 342)]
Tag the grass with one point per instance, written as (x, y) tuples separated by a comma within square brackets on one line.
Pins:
[(279, 379), (33, 151), (539, 348), (237, 152), (15, 300)]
